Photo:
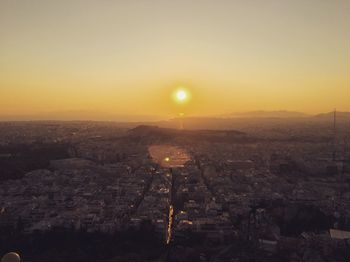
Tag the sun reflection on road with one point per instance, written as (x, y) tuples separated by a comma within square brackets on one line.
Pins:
[(170, 224)]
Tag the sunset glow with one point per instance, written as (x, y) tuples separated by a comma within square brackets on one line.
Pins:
[(123, 59)]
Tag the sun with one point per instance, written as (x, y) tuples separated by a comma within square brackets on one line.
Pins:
[(181, 95)]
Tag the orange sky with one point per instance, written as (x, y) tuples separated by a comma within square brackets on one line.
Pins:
[(127, 57)]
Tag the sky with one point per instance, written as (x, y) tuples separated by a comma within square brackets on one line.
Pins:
[(104, 58)]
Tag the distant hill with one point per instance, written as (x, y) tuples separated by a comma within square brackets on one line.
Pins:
[(268, 114), (227, 123), (261, 119), (340, 116)]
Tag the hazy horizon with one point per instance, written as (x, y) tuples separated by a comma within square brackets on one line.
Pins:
[(126, 58), (103, 116)]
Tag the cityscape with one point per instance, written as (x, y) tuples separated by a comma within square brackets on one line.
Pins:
[(192, 195), (175, 131)]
